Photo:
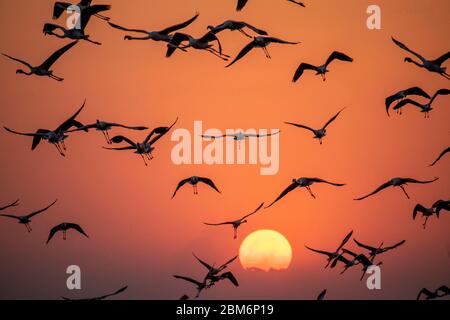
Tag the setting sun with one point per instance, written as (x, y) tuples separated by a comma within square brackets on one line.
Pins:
[(265, 250)]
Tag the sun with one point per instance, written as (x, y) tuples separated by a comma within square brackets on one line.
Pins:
[(265, 250)]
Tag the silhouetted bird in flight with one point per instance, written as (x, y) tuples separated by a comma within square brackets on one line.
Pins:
[(203, 43), (259, 42), (64, 227), (44, 68), (199, 285), (78, 31), (436, 209), (320, 70), (60, 7), (376, 251), (13, 204), (443, 153), (161, 35), (319, 133), (145, 148), (236, 223), (416, 91), (26, 219), (241, 4), (425, 108), (440, 292), (104, 127), (233, 25), (303, 183), (106, 296), (240, 136), (321, 295), (397, 182), (333, 255), (348, 263), (430, 65), (55, 137), (214, 274), (193, 181)]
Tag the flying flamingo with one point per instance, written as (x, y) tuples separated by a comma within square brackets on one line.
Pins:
[(440, 292), (233, 25), (416, 91), (259, 42), (236, 223), (240, 136), (333, 255), (214, 273), (303, 183), (376, 251), (145, 148), (44, 68), (320, 70), (203, 43), (425, 108), (162, 35), (193, 181), (64, 227), (319, 133), (55, 137), (436, 208), (430, 65), (397, 182), (443, 153), (26, 219)]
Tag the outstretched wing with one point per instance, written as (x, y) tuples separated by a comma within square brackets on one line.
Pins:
[(77, 228), (291, 187), (402, 46), (418, 208), (71, 122), (180, 184), (42, 210), (223, 266), (403, 103), (116, 26), (209, 182), (411, 180), (209, 37), (177, 39), (179, 26), (37, 137), (241, 54), (120, 139), (18, 60), (440, 92), (336, 55), (161, 132), (241, 4), (53, 231), (301, 126), (332, 119), (88, 12), (364, 245), (9, 216), (189, 280), (13, 204), (256, 210), (321, 295), (443, 153), (395, 245), (319, 180), (218, 224), (207, 266), (347, 237), (258, 31), (426, 292), (439, 61), (59, 8), (56, 55), (301, 68), (383, 186), (329, 254), (230, 276), (111, 294)]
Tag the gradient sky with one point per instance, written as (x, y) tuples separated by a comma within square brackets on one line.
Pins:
[(138, 236)]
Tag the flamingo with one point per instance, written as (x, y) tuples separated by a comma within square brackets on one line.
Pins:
[(431, 295), (145, 148), (202, 43), (320, 70), (443, 153), (240, 136), (319, 133), (44, 68), (259, 42), (55, 137), (397, 182), (214, 273), (106, 296), (26, 219), (64, 227), (193, 181), (436, 208), (403, 94), (236, 223), (161, 35), (425, 108), (333, 255), (430, 65), (233, 25), (303, 183)]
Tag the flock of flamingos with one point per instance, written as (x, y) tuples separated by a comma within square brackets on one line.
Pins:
[(182, 42)]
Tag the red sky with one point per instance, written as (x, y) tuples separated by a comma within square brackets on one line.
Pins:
[(138, 236)]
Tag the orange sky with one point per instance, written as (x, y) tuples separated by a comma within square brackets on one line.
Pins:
[(138, 235)]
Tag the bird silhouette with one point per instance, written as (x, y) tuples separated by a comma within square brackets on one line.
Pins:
[(416, 91), (64, 227), (241, 4), (60, 7), (106, 296), (430, 65), (440, 292), (203, 43), (214, 273), (55, 137), (44, 68), (104, 127), (323, 69), (164, 35), (26, 219), (145, 148), (236, 223), (332, 255), (443, 153), (436, 209), (319, 133), (233, 25), (193, 181), (259, 42), (397, 182), (425, 108), (303, 183), (373, 251)]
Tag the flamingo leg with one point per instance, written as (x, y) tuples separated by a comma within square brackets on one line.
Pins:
[(404, 191), (102, 17), (310, 192), (59, 149), (56, 78), (244, 33), (216, 54), (323, 76), (425, 223), (108, 138), (91, 41), (143, 158), (63, 144), (64, 235), (235, 233)]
